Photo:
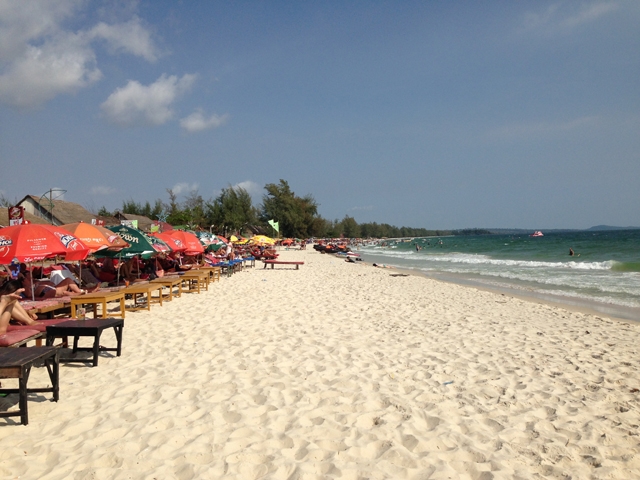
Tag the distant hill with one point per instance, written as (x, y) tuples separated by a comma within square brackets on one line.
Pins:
[(527, 231), (523, 231), (609, 227)]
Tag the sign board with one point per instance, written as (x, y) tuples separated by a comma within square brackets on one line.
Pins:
[(129, 223), (16, 215)]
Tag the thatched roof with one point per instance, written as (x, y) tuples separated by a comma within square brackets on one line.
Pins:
[(61, 212), (4, 217)]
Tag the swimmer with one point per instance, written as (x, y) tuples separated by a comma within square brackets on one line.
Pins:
[(381, 266)]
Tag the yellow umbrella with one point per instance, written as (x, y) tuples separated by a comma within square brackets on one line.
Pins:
[(257, 239), (233, 238)]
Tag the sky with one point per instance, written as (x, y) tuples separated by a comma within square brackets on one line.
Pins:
[(434, 114)]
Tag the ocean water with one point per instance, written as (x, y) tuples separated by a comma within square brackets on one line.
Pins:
[(604, 273)]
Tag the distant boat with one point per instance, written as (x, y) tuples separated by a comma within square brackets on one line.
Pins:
[(537, 233)]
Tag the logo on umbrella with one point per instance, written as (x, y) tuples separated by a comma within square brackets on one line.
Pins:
[(69, 241), (5, 245)]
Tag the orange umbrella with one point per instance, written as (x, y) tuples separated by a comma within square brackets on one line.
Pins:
[(96, 237)]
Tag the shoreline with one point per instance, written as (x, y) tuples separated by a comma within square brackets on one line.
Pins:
[(340, 370), (618, 312)]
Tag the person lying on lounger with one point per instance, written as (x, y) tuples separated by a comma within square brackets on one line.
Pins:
[(10, 308), (46, 289)]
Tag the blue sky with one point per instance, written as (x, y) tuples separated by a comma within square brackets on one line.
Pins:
[(435, 114)]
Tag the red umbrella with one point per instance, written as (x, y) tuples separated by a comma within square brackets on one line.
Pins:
[(175, 244), (33, 242), (189, 240)]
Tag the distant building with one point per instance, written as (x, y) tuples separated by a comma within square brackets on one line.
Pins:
[(144, 223), (59, 212)]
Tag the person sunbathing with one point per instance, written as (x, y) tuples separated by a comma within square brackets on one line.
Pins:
[(43, 289), (10, 308)]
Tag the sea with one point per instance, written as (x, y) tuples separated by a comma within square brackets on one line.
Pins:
[(603, 275)]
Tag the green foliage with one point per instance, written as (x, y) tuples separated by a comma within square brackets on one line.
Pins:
[(134, 208), (103, 212), (296, 215), (232, 210), (6, 203)]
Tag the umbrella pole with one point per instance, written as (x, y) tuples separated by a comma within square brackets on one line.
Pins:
[(118, 273), (33, 295)]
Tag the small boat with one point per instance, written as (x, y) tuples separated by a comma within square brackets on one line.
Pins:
[(537, 233)]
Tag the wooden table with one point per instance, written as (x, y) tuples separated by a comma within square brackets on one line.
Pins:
[(87, 328), (195, 280), (273, 263), (101, 298), (146, 289), (214, 272), (170, 283), (17, 363)]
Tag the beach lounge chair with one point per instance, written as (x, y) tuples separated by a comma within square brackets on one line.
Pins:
[(20, 338)]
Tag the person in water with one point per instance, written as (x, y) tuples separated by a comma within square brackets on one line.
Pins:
[(571, 254)]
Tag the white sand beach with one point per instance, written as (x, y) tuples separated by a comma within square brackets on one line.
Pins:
[(341, 370)]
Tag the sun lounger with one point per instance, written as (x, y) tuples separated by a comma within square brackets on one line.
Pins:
[(273, 263), (40, 326), (19, 338)]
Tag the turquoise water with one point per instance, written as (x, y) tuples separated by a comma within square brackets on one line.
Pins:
[(604, 273)]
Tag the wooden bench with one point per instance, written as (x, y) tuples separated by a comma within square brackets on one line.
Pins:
[(273, 263), (16, 363)]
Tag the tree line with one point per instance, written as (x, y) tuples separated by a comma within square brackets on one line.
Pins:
[(232, 211)]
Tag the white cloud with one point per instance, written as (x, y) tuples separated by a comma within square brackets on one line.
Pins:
[(136, 104), (196, 122), (102, 190), (557, 18), (61, 65), (57, 193), (184, 187), (40, 59), (251, 187), (130, 37), (537, 129)]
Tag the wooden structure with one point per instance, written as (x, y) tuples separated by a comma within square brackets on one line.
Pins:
[(17, 363), (87, 328)]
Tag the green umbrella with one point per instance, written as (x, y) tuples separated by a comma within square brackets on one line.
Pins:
[(139, 244)]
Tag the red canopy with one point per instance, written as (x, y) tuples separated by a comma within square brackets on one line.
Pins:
[(175, 244), (189, 240), (33, 242)]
